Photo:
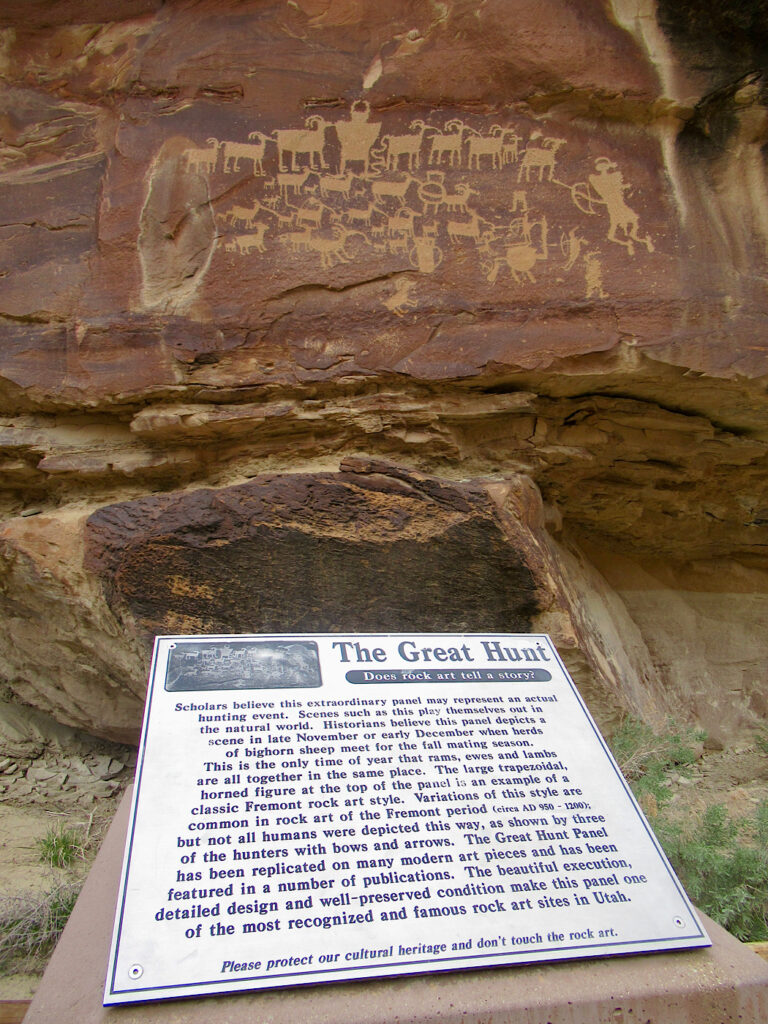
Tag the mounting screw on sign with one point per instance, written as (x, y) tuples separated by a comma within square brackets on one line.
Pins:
[(135, 971), (679, 922)]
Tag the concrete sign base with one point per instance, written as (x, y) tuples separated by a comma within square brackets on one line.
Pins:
[(722, 984)]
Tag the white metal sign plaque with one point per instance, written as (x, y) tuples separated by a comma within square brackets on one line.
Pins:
[(325, 807)]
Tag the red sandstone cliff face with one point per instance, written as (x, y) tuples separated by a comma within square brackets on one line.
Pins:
[(321, 315)]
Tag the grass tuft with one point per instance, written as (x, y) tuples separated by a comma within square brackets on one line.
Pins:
[(30, 926), (60, 847)]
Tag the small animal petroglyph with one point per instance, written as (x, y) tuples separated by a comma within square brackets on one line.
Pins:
[(235, 152), (308, 141), (336, 184), (539, 158), (510, 151), (403, 223), (459, 199), (241, 216), (245, 244), (401, 300), (332, 250), (312, 213), (291, 182), (398, 190), (409, 146), (448, 144), (459, 229), (203, 159), (491, 145), (359, 215)]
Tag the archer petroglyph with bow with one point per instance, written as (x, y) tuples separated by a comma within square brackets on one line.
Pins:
[(498, 201)]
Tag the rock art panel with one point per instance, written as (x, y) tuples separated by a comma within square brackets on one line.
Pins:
[(488, 201)]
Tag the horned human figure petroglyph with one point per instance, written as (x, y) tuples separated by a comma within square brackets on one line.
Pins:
[(357, 136), (424, 254)]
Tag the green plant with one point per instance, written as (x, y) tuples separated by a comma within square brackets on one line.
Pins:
[(722, 862), (723, 865), (60, 847), (648, 759), (30, 925)]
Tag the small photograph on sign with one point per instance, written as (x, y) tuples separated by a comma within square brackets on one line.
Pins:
[(234, 665)]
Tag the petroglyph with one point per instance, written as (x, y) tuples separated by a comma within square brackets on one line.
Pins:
[(607, 188), (309, 141), (610, 186), (462, 229), (491, 145), (401, 300), (253, 151), (203, 160), (437, 191), (540, 158), (448, 145), (357, 136), (593, 273), (405, 145), (245, 244)]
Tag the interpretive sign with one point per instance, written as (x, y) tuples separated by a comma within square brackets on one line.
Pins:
[(325, 807)]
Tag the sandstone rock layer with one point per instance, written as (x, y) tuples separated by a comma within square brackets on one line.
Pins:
[(323, 316)]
